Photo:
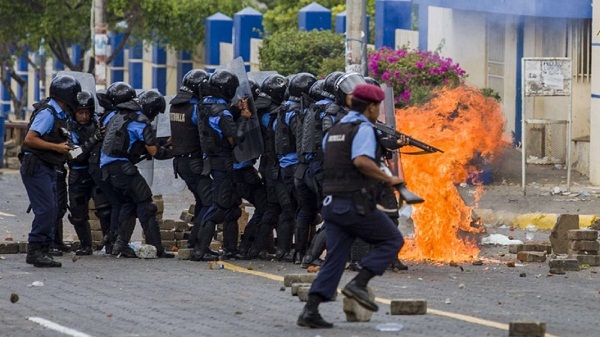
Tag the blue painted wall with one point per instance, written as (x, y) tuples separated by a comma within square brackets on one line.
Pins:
[(543, 8)]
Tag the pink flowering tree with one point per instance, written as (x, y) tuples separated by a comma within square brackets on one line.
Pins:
[(413, 73)]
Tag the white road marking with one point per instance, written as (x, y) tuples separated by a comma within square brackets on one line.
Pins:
[(57, 327), (6, 214)]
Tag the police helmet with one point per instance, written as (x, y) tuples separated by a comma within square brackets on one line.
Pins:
[(316, 91), (193, 80), (120, 92), (225, 82), (152, 103), (330, 81), (274, 86), (103, 100), (85, 101), (65, 88), (301, 83), (345, 86), (373, 81), (254, 88)]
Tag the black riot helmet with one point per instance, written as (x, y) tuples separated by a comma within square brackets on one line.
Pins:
[(372, 81), (104, 101), (65, 88), (317, 91), (301, 83), (274, 86), (152, 103), (330, 82), (254, 88), (85, 101), (225, 82), (193, 80), (120, 92), (345, 86)]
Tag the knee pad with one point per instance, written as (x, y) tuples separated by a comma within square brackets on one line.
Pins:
[(140, 190)]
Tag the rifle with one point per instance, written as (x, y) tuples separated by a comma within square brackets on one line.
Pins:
[(411, 141), (407, 195)]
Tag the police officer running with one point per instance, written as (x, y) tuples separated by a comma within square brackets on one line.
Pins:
[(129, 135), (45, 147), (351, 179)]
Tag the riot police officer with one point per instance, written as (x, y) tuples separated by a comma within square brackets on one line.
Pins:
[(129, 135), (287, 126), (187, 149), (45, 147), (84, 135), (351, 184), (279, 209), (218, 133)]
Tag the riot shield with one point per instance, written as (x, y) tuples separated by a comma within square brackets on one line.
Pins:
[(387, 116), (88, 83), (159, 173), (250, 144), (259, 76)]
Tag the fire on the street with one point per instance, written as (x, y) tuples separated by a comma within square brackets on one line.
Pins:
[(467, 126)]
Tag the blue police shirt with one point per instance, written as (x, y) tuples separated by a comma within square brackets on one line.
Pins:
[(213, 121), (364, 142), (323, 102), (291, 158), (135, 130), (237, 166), (44, 121)]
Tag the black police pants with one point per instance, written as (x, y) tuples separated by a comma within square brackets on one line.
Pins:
[(342, 225), (41, 190)]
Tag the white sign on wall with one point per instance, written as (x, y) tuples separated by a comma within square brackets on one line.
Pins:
[(547, 76)]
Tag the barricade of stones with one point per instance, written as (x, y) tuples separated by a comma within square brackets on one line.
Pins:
[(530, 252), (583, 246)]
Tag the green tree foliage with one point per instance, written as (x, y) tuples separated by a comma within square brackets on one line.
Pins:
[(284, 15), (291, 51)]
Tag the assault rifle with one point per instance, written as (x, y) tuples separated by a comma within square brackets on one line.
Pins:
[(411, 141)]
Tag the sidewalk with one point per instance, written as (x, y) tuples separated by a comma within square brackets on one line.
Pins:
[(547, 195)]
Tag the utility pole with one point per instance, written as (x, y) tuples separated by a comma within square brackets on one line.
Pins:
[(356, 38), (100, 43)]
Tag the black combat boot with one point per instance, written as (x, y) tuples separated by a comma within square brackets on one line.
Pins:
[(202, 250), (85, 237), (357, 290), (317, 246), (38, 257), (310, 316), (108, 241), (121, 245), (152, 233)]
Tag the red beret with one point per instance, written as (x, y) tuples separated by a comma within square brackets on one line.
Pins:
[(368, 92)]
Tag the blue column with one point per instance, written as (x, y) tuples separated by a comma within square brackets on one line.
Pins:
[(4, 109), (340, 23), (136, 66), (218, 28), (247, 24), (314, 16), (391, 15), (159, 68), (22, 71), (184, 64), (36, 81), (57, 66), (117, 67), (75, 53)]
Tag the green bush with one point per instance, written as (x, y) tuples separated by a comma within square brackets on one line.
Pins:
[(292, 51)]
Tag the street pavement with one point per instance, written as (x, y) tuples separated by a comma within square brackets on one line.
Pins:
[(103, 296)]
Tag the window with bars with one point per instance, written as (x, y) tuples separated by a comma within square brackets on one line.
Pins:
[(579, 48)]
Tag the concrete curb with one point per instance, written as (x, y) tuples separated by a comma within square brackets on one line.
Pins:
[(544, 221)]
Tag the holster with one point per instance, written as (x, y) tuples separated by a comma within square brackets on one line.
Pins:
[(30, 161), (364, 202)]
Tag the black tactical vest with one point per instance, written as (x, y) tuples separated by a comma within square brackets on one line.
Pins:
[(184, 134), (58, 134), (340, 176), (285, 138), (116, 139), (333, 115), (269, 164), (312, 132), (212, 144)]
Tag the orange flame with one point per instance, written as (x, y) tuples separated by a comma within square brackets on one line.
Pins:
[(463, 123)]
